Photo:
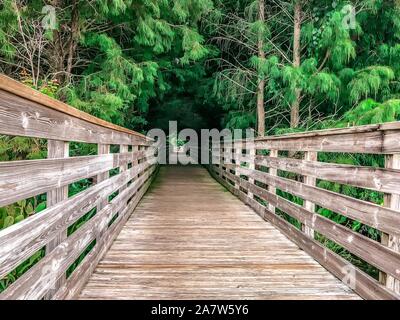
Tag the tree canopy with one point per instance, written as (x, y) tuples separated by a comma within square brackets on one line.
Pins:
[(267, 64)]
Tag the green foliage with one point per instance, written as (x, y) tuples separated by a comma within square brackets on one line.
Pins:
[(21, 269), (21, 210)]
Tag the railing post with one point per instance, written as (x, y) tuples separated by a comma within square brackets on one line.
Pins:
[(221, 159), (123, 149), (310, 181), (57, 149), (392, 201), (135, 149), (102, 149), (273, 172), (238, 154), (252, 166)]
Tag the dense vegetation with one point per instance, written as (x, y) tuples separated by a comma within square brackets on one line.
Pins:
[(273, 65)]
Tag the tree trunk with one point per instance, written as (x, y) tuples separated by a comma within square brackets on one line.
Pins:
[(73, 40), (57, 55), (295, 108), (261, 84)]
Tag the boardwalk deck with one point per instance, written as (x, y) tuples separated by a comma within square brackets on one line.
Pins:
[(190, 239)]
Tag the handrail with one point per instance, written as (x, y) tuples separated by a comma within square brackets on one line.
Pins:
[(12, 86), (279, 177), (52, 254)]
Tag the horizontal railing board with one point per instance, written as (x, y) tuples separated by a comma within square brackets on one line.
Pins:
[(384, 219), (365, 286), (371, 139), (16, 88), (22, 240), (369, 250), (38, 280), (23, 179), (378, 179), (81, 274), (389, 126), (369, 142), (22, 117)]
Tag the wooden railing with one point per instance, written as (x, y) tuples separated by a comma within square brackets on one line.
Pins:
[(279, 177), (27, 113)]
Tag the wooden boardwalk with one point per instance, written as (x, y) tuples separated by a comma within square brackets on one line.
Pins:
[(191, 239)]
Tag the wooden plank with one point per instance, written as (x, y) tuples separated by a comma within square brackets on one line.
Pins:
[(16, 88), (21, 117), (22, 240), (310, 181), (56, 149), (233, 267), (391, 143), (23, 179), (101, 150), (124, 166), (364, 142), (83, 272), (34, 283), (369, 250), (272, 172), (378, 179), (392, 241), (364, 285), (252, 153), (381, 218)]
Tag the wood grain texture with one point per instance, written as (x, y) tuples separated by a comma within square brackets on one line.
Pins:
[(369, 250), (379, 179), (18, 89), (390, 240), (42, 276), (22, 117), (381, 218), (20, 241), (310, 181), (23, 179), (362, 283), (57, 149), (190, 239)]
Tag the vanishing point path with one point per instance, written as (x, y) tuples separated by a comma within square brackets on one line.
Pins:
[(189, 238)]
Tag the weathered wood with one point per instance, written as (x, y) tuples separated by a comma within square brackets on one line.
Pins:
[(57, 149), (20, 241), (21, 117), (310, 181), (392, 241), (204, 251), (272, 172), (379, 179), (23, 179), (18, 89), (376, 254), (363, 284), (252, 153), (365, 142), (101, 150), (27, 113), (381, 218), (35, 283), (82, 273)]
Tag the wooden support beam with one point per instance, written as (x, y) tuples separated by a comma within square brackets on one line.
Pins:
[(102, 149), (274, 172), (252, 152), (310, 181), (56, 149), (392, 201), (123, 149)]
